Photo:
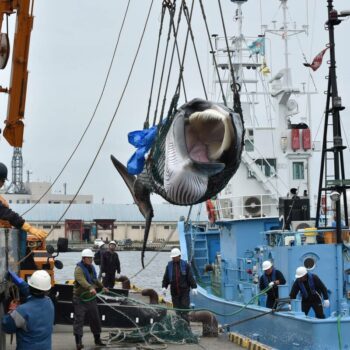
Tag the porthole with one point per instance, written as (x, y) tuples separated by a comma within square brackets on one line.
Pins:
[(310, 263)]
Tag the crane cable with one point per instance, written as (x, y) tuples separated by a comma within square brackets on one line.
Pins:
[(172, 10), (175, 46), (112, 119), (146, 123), (92, 117), (236, 101), (213, 53), (188, 19)]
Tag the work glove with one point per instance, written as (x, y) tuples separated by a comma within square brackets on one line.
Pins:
[(271, 284), (15, 278), (289, 307), (103, 274), (194, 291), (326, 303), (40, 234), (164, 291), (13, 305), (117, 276)]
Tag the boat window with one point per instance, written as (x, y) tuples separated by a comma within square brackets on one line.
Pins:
[(134, 227), (267, 166), (309, 263), (249, 140), (298, 171)]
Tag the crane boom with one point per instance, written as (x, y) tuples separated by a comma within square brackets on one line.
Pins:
[(17, 91)]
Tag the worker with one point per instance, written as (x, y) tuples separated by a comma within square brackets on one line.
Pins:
[(271, 278), (179, 275), (33, 320), (15, 220), (86, 285), (311, 287), (101, 248), (110, 264)]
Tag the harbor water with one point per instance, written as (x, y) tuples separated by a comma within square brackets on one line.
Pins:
[(130, 262)]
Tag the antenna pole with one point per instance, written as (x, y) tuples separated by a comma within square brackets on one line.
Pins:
[(338, 184)]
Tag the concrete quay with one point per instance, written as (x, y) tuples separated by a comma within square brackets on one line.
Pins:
[(64, 340)]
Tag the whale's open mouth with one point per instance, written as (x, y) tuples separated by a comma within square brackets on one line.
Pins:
[(208, 135)]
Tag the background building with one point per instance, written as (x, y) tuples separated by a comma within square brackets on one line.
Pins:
[(86, 222)]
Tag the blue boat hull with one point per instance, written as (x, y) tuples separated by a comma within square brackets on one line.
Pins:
[(281, 330)]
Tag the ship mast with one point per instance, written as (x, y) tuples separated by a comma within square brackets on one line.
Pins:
[(334, 184)]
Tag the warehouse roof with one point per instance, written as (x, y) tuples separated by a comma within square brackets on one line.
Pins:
[(119, 212)]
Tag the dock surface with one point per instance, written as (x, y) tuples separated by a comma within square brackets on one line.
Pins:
[(65, 341)]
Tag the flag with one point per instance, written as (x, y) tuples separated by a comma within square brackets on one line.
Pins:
[(258, 46), (317, 61)]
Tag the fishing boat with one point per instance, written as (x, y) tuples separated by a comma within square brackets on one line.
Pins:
[(267, 211)]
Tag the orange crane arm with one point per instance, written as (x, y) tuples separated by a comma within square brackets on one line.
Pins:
[(13, 131)]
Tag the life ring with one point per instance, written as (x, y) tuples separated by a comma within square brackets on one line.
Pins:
[(211, 211)]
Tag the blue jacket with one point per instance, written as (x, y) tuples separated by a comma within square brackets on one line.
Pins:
[(32, 322), (179, 276)]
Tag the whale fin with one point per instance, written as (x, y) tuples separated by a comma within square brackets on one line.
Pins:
[(142, 198)]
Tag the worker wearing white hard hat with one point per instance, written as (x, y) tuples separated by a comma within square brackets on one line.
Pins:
[(271, 278), (110, 265), (175, 252), (86, 285), (310, 286), (179, 276), (36, 314)]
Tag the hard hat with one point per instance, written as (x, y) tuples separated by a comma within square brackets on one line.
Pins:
[(266, 265), (87, 253), (3, 171), (40, 280), (300, 272), (100, 244), (113, 242), (175, 252)]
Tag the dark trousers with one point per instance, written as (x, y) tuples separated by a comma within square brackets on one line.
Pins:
[(109, 280), (182, 301), (270, 302), (315, 304), (90, 309)]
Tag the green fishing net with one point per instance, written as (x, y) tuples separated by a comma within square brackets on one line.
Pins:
[(172, 329)]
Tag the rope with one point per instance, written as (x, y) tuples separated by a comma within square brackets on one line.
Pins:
[(175, 46), (172, 10), (236, 99), (91, 119), (112, 119), (146, 125), (173, 105), (154, 256), (188, 18), (213, 53)]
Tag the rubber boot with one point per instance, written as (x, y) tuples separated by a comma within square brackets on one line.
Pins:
[(78, 341), (98, 340)]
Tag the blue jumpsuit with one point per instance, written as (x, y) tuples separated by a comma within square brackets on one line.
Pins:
[(32, 322)]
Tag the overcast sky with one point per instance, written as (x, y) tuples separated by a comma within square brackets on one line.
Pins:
[(71, 46)]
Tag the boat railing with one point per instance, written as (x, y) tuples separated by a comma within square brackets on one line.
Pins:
[(228, 207), (305, 236), (247, 59)]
